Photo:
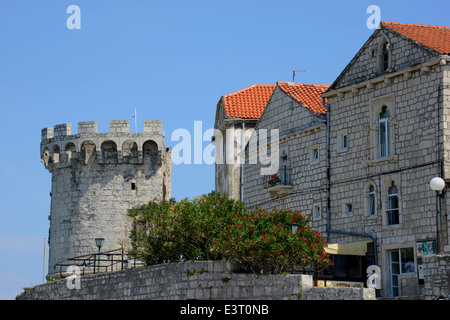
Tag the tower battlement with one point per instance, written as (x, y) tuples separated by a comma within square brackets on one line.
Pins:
[(119, 145), (96, 179)]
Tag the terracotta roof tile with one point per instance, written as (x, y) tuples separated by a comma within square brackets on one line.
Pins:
[(248, 103), (306, 94), (434, 37)]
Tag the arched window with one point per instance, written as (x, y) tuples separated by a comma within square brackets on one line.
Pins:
[(55, 153), (385, 57), (284, 169), (109, 152), (383, 133), (69, 151), (88, 151), (129, 151), (150, 148), (371, 201), (151, 154), (393, 208), (45, 158)]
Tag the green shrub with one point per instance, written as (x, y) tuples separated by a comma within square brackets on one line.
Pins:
[(262, 241), (214, 227), (169, 231)]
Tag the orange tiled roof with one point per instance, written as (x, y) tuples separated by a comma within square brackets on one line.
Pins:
[(306, 94), (434, 37), (248, 103)]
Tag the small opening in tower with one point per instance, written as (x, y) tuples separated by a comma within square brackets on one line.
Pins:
[(133, 186)]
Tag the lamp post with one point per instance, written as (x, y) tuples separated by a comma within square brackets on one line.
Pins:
[(437, 184), (99, 243)]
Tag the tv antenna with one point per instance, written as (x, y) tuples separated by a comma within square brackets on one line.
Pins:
[(293, 74), (135, 120)]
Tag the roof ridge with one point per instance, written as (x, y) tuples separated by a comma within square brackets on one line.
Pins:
[(303, 84), (247, 88), (415, 25), (248, 102), (306, 94)]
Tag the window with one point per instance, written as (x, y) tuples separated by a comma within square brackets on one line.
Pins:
[(385, 57), (348, 208), (345, 268), (133, 186), (314, 154), (342, 141), (284, 170), (392, 209), (316, 211), (371, 208), (383, 133)]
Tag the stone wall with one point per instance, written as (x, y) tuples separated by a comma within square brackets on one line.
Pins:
[(299, 132), (203, 280), (436, 271), (418, 107), (366, 63)]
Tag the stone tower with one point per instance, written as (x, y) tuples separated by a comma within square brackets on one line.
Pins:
[(96, 178)]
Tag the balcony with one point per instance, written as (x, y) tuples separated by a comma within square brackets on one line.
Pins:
[(278, 184)]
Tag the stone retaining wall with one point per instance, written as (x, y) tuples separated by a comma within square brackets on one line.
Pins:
[(204, 280), (437, 276)]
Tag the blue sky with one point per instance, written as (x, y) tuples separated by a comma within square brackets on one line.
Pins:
[(171, 60)]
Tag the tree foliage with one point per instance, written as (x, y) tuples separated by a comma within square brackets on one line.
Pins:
[(215, 227)]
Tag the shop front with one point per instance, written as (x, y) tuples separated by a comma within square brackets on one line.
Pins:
[(350, 263)]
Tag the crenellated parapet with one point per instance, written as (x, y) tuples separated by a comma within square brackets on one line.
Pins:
[(59, 146)]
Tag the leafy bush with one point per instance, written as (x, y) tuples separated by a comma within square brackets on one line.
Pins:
[(169, 231), (216, 227), (262, 241)]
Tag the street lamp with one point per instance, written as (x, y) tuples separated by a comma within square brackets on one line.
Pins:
[(437, 184), (99, 243)]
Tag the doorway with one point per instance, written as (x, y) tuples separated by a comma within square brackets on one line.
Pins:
[(400, 261)]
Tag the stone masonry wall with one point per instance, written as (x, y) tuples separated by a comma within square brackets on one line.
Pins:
[(367, 61), (437, 276), (414, 99), (299, 132), (204, 280)]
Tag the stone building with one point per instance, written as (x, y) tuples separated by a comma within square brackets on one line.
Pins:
[(236, 112), (294, 123), (388, 118), (96, 178), (362, 165)]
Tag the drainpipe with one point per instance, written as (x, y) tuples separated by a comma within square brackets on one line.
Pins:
[(328, 165), (328, 221)]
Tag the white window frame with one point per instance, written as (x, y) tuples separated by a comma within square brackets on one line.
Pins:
[(383, 149), (314, 154), (342, 141), (349, 208), (346, 205), (389, 209), (317, 213), (371, 202)]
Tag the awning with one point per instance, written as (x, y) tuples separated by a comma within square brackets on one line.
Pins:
[(356, 248)]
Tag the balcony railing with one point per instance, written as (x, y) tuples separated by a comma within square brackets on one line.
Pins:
[(279, 183)]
